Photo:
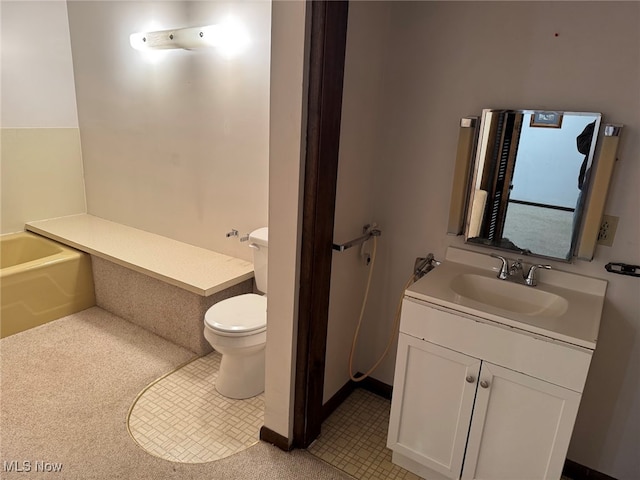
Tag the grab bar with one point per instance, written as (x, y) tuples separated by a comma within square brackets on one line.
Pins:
[(373, 232)]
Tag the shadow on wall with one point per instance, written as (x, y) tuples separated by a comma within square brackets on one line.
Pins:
[(610, 364)]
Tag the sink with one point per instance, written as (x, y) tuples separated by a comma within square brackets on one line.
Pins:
[(512, 297), (563, 306)]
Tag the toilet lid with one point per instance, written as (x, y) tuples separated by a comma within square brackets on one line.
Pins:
[(241, 314)]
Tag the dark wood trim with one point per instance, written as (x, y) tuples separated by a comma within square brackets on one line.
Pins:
[(575, 471), (381, 389), (369, 384), (274, 438), (338, 398), (326, 73)]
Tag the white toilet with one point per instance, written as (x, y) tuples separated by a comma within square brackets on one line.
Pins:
[(237, 329)]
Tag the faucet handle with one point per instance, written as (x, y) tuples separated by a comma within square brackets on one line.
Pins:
[(504, 269), (532, 279), (516, 267)]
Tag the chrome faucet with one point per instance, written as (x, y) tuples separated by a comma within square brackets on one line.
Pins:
[(503, 273), (513, 271), (531, 278)]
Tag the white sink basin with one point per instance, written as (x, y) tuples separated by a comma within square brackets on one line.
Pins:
[(509, 296), (563, 306)]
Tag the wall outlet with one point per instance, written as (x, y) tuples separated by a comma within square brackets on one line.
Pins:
[(607, 230)]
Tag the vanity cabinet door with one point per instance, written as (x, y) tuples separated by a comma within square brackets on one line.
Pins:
[(433, 394), (521, 427)]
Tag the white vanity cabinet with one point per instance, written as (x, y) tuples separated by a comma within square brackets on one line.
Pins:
[(475, 399), (432, 405), (520, 427)]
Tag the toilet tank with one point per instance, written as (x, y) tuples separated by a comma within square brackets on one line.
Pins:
[(258, 241)]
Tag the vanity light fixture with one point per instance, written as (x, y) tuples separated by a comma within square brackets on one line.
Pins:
[(599, 191), (185, 38), (229, 37), (466, 146)]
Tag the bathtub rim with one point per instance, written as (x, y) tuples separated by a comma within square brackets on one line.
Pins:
[(68, 277), (65, 253)]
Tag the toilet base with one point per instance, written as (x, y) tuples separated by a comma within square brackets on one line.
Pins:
[(241, 376)]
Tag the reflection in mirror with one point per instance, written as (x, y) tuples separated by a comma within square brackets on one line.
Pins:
[(530, 180)]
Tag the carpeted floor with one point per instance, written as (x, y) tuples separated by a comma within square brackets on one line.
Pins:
[(66, 388)]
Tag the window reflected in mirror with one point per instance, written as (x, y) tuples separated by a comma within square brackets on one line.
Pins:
[(530, 180)]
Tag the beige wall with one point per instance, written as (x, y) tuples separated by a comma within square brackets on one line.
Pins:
[(37, 72), (41, 175), (176, 146), (355, 194), (40, 142), (446, 60)]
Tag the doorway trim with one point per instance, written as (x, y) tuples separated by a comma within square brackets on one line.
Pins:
[(326, 75)]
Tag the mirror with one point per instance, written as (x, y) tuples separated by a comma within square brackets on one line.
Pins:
[(530, 181)]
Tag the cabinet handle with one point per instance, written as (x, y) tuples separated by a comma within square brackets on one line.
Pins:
[(484, 384), (470, 379)]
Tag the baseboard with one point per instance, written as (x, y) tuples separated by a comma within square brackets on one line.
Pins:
[(575, 471), (274, 438), (336, 400), (370, 384), (376, 386)]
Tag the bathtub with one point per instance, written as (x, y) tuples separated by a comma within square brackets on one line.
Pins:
[(40, 281)]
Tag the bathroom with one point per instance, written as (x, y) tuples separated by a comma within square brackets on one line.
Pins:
[(407, 169)]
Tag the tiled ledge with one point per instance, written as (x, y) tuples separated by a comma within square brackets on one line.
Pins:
[(195, 269)]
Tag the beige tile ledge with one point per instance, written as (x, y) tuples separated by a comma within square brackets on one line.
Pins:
[(195, 269)]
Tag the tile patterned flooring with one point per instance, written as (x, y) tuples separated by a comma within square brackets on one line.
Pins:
[(354, 439), (182, 418)]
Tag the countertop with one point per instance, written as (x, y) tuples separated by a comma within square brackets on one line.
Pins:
[(192, 268), (578, 325)]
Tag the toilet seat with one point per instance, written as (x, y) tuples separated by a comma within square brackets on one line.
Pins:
[(238, 316)]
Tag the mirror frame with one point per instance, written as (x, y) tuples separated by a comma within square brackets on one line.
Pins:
[(603, 163)]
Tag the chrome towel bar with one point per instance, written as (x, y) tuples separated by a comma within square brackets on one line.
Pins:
[(370, 232)]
